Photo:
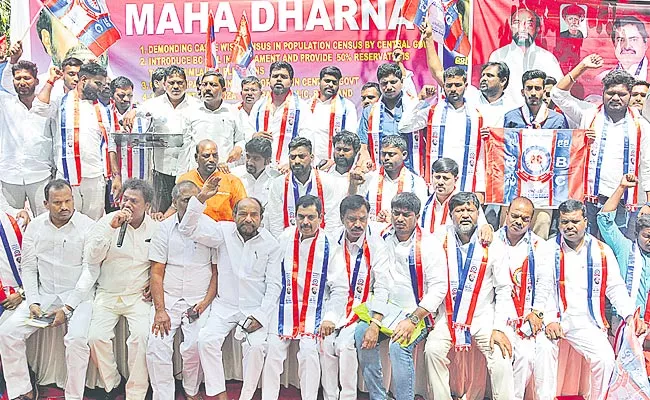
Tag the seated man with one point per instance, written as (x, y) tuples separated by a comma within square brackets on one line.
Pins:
[(419, 286), (51, 266), (231, 189), (311, 271), (183, 285), (249, 286)]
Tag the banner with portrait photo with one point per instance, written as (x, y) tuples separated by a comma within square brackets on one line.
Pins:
[(545, 165)]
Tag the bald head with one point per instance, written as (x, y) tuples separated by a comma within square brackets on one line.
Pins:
[(206, 157), (519, 217), (522, 201)]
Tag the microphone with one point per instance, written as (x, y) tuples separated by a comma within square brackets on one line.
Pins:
[(120, 237)]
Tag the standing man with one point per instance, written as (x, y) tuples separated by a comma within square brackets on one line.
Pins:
[(183, 278), (532, 275), (249, 286), (302, 180), (86, 154), (122, 95), (453, 131), (549, 84), (158, 78), (346, 149), (282, 115), (312, 299), (52, 261), (639, 94), (477, 306), (620, 139), (522, 54), (70, 67), (121, 271), (370, 94), (256, 174), (27, 159), (171, 115), (251, 91), (418, 289), (332, 113), (368, 273), (380, 187), (217, 121), (534, 114), (231, 189), (579, 317)]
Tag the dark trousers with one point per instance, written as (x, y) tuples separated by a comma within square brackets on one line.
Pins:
[(162, 187)]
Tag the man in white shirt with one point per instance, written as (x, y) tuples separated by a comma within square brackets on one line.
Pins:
[(579, 317), (418, 287), (368, 273), (256, 174), (121, 271), (453, 131), (183, 285), (27, 159), (282, 115), (639, 94), (85, 151), (171, 114), (158, 78), (346, 149), (249, 286), (379, 187), (522, 54), (217, 121), (312, 299), (620, 139), (251, 91), (477, 307), (332, 113), (52, 263), (528, 257), (303, 179)]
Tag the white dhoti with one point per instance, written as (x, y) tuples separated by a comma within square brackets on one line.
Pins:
[(107, 309), (90, 197), (160, 351), (14, 334), (592, 343), (211, 340), (338, 360), (535, 358), (308, 367), (436, 352)]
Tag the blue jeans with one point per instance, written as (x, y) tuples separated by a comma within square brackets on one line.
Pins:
[(401, 358)]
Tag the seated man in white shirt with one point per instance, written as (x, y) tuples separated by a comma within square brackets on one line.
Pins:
[(417, 290), (580, 317), (367, 264), (183, 285), (120, 265), (26, 140), (52, 263), (530, 264), (312, 299), (249, 286), (303, 179), (256, 174), (332, 113), (477, 307), (379, 187), (620, 140), (12, 224)]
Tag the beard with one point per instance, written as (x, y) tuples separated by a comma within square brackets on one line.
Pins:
[(526, 42)]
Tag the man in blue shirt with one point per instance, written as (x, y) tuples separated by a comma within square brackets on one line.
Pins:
[(534, 114)]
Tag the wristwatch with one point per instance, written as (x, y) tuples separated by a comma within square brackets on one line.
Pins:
[(413, 318), (539, 314), (67, 312)]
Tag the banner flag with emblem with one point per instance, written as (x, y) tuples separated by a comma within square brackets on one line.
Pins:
[(242, 58), (545, 165), (88, 20), (630, 379)]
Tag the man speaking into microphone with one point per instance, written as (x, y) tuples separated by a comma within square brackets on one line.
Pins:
[(120, 266)]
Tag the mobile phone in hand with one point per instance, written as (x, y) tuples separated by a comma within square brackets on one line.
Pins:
[(192, 314)]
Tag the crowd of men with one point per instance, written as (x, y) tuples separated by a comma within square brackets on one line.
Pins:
[(283, 220)]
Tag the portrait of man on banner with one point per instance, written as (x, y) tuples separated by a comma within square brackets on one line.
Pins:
[(572, 22)]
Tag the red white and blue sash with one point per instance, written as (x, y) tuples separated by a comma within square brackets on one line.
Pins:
[(12, 240), (133, 162), (358, 278), (429, 214), (300, 312), (596, 279), (465, 281), (288, 126), (634, 270), (376, 208), (539, 120), (338, 114), (472, 145), (289, 217), (375, 124), (631, 155)]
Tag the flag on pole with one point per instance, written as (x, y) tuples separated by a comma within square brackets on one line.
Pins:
[(211, 44), (416, 10), (242, 58), (88, 20), (455, 37)]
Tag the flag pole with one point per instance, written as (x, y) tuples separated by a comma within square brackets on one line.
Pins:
[(29, 28)]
